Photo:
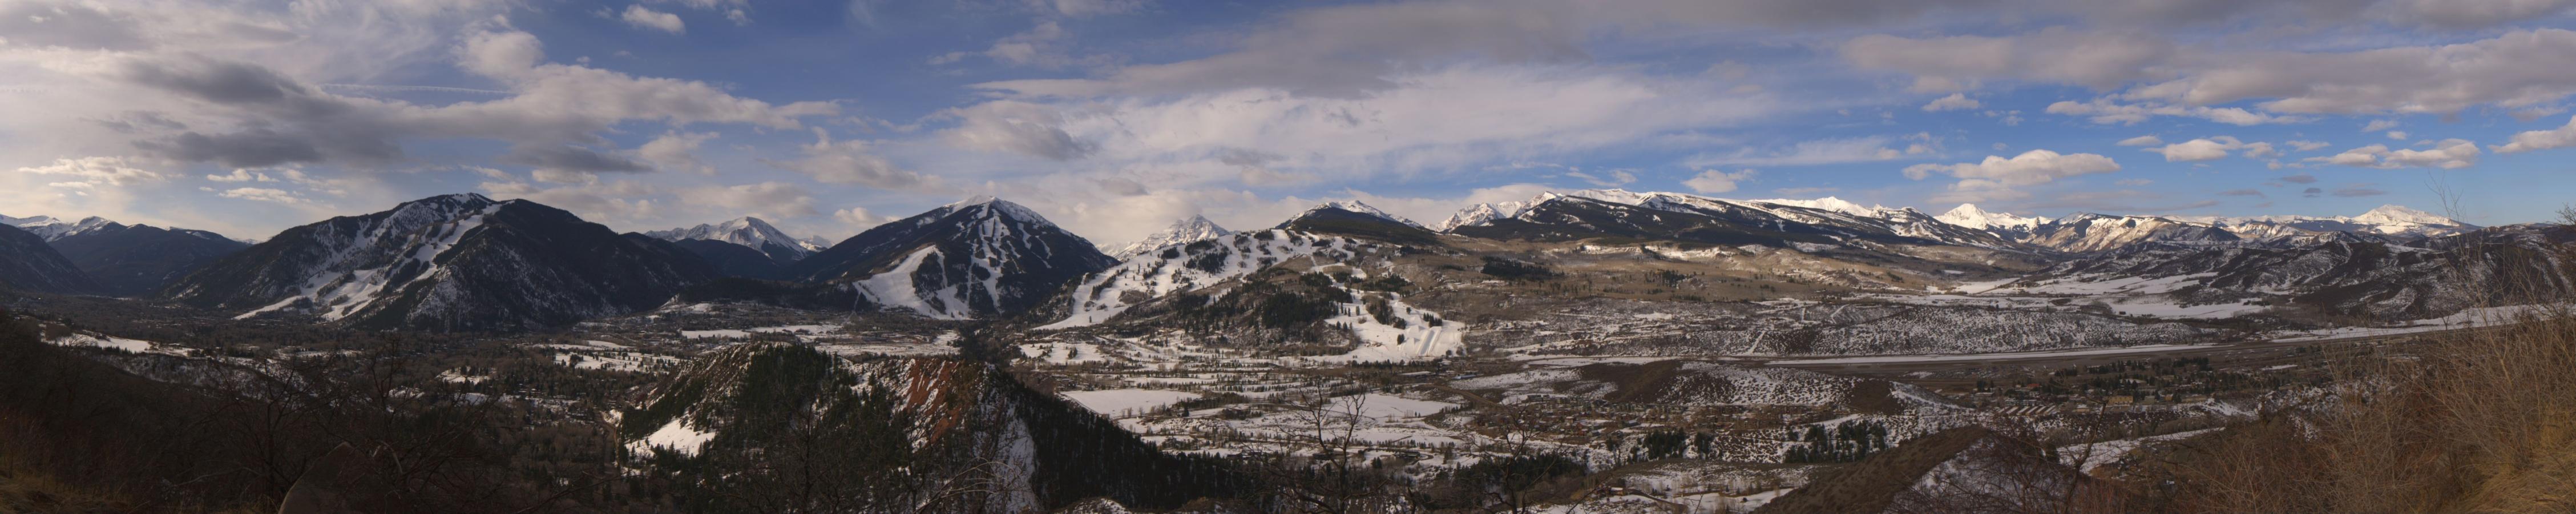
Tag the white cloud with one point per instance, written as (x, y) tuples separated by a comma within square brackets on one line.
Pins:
[(2146, 140), (2529, 140), (1954, 102), (850, 162), (241, 175), (1824, 151), (641, 17), (2445, 154), (2032, 167), (1717, 181), (2105, 111), (261, 194), (2378, 125), (767, 199), (2399, 135), (2308, 145), (2213, 148), (96, 170), (676, 150), (1020, 127)]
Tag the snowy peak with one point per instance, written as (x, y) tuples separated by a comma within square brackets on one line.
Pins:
[(746, 231), (1968, 215), (1193, 229), (978, 258), (1358, 207), (53, 229), (455, 262), (1832, 204), (2394, 215)]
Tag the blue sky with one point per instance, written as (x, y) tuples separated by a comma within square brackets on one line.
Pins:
[(1114, 117)]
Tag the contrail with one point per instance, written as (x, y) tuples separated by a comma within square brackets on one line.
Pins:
[(437, 89)]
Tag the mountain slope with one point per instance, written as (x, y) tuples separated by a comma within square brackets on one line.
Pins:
[(139, 259), (747, 231), (52, 228), (454, 262), (2089, 232), (1193, 229), (28, 264), (756, 422), (1691, 218), (2358, 277), (734, 260), (979, 258), (1352, 218)]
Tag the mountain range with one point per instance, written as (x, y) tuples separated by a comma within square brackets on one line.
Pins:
[(466, 262)]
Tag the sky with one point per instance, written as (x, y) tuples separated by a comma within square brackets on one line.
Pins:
[(1115, 117)]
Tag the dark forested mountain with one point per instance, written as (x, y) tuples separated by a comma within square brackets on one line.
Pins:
[(970, 259), (130, 260), (454, 262), (748, 232), (28, 264), (734, 260)]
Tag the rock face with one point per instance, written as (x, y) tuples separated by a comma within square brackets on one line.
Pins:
[(974, 259), (135, 260), (1196, 228), (447, 263), (28, 264)]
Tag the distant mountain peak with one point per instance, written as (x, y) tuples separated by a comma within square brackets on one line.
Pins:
[(1969, 215), (1360, 207), (750, 232), (1187, 230), (1832, 204), (2401, 215), (976, 258)]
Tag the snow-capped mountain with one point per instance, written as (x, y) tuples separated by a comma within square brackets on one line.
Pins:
[(2387, 220), (52, 228), (1353, 218), (1832, 204), (1694, 218), (977, 258), (747, 231), (128, 259), (1194, 229), (2358, 276), (453, 262), (1968, 215), (1155, 275), (28, 264), (2089, 232)]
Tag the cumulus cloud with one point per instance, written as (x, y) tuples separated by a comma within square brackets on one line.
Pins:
[(2032, 167), (1716, 181), (1954, 102), (2525, 141), (2213, 148), (676, 150), (2146, 140), (640, 17), (2444, 154)]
